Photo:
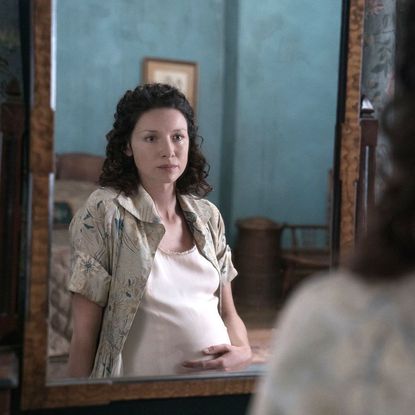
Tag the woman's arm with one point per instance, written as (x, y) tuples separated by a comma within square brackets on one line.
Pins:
[(236, 327), (86, 319), (238, 354)]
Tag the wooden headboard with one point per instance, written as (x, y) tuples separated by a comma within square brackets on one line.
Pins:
[(78, 166)]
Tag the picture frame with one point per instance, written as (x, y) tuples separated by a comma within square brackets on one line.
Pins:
[(181, 74)]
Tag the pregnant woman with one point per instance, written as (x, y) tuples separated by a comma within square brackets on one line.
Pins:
[(151, 270)]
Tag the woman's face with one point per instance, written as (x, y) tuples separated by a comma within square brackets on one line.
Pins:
[(160, 146)]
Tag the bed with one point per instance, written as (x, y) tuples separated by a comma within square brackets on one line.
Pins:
[(76, 177)]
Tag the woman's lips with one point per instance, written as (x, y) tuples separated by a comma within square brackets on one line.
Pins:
[(168, 166)]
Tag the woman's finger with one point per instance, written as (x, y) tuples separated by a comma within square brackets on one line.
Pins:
[(217, 349), (205, 364)]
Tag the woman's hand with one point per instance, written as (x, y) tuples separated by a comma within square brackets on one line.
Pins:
[(225, 357)]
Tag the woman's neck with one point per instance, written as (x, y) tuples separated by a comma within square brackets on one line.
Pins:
[(165, 201)]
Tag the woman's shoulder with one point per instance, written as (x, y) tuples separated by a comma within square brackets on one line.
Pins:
[(338, 289), (329, 332), (341, 298), (343, 288), (99, 210), (102, 194), (101, 200), (201, 207), (317, 316)]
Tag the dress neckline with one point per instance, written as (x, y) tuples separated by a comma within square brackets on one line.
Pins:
[(172, 253)]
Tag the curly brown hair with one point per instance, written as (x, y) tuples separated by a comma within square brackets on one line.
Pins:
[(388, 250), (119, 170)]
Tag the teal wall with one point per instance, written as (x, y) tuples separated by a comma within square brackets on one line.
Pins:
[(100, 49), (287, 68), (267, 90)]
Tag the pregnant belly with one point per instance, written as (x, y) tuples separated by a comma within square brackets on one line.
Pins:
[(159, 344)]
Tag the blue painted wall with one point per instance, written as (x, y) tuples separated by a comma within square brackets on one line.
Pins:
[(285, 118), (267, 90), (100, 49)]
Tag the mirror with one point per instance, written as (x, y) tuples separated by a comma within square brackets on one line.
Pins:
[(263, 163), (244, 146)]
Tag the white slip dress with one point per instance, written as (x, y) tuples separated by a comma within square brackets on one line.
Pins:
[(178, 316)]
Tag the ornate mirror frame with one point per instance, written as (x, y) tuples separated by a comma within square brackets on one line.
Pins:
[(36, 393)]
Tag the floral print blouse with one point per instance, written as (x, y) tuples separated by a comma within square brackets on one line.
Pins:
[(114, 239)]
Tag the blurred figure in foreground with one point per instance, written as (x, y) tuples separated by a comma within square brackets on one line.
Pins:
[(346, 342)]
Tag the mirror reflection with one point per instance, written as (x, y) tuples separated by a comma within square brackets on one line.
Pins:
[(265, 98)]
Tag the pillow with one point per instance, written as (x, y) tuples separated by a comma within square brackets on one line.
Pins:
[(70, 195), (62, 214)]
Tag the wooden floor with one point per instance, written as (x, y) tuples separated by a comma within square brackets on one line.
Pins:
[(260, 324)]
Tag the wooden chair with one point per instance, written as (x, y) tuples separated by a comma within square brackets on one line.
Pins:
[(308, 252), (308, 249)]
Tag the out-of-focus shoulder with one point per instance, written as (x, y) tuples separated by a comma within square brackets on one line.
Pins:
[(337, 291), (325, 283)]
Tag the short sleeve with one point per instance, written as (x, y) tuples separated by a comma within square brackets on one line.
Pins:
[(91, 253), (223, 253)]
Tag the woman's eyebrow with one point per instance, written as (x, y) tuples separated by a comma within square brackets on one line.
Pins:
[(155, 131), (147, 131)]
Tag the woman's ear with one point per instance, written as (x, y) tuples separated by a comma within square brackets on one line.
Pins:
[(128, 152)]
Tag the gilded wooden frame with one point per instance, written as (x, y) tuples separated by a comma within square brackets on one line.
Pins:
[(36, 393), (350, 128)]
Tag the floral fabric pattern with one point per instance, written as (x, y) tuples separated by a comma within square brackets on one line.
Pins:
[(10, 47), (114, 240), (378, 78)]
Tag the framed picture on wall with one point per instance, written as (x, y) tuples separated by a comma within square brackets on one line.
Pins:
[(181, 74)]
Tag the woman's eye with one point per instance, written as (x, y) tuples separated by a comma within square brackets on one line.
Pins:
[(149, 138), (178, 137)]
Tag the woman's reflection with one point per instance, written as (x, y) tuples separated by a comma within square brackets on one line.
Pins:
[(150, 254)]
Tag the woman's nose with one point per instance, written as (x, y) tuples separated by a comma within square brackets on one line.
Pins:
[(167, 148)]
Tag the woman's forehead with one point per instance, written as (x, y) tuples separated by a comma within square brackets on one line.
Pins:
[(161, 119)]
